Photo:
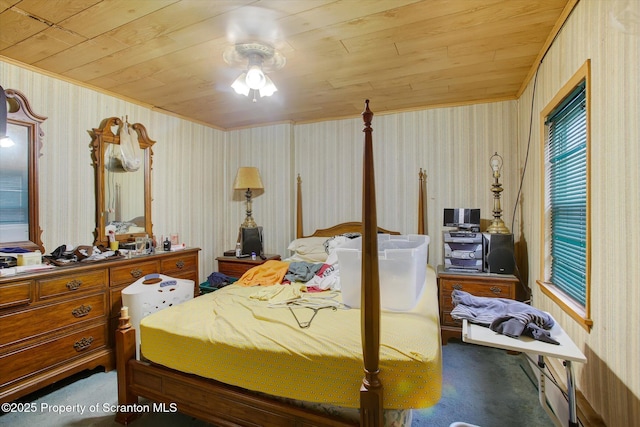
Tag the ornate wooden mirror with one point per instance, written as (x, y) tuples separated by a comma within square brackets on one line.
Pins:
[(19, 217), (123, 198)]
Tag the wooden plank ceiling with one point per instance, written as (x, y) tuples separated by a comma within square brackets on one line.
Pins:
[(401, 54)]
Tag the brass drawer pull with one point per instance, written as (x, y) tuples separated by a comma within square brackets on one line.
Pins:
[(457, 286), (136, 273), (496, 290), (180, 264), (81, 311), (74, 285), (83, 344)]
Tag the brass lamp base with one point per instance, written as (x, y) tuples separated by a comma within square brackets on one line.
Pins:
[(498, 227), (248, 221)]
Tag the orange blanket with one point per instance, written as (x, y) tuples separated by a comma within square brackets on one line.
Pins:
[(269, 273)]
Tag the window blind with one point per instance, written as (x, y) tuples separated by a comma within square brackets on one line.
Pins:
[(566, 157)]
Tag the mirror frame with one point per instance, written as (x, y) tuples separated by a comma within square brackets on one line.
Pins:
[(101, 137), (19, 113)]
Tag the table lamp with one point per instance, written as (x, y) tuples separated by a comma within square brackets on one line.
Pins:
[(497, 225), (248, 178)]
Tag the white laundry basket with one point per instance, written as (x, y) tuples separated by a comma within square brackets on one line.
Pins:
[(152, 293)]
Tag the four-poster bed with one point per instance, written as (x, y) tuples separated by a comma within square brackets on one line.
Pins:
[(240, 405)]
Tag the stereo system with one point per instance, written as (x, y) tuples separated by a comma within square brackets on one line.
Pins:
[(466, 249), (463, 251), (474, 251)]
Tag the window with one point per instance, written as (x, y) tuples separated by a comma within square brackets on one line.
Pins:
[(566, 193)]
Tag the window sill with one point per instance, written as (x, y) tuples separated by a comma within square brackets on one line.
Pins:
[(568, 305)]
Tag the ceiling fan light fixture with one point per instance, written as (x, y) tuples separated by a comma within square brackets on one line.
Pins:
[(240, 85), (269, 88), (257, 58), (255, 78)]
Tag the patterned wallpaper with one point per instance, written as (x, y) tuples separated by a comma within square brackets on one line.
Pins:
[(608, 33), (194, 169)]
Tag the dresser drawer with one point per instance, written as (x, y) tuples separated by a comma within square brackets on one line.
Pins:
[(179, 264), (64, 285), (130, 273), (50, 353), (16, 293), (45, 318)]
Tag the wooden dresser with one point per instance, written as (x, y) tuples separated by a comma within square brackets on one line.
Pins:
[(478, 284), (58, 322)]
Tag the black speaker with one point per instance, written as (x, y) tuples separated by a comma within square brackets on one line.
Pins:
[(498, 253), (251, 240)]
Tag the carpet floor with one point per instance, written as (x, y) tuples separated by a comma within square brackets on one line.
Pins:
[(482, 386)]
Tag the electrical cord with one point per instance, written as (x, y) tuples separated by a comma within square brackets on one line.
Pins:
[(526, 158)]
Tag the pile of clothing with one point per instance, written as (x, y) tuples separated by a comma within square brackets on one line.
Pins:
[(504, 316), (316, 276)]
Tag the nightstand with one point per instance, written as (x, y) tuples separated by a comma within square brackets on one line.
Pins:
[(476, 283), (236, 267)]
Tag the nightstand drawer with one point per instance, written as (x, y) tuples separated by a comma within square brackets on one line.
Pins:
[(486, 289), (233, 270), (450, 321), (236, 267), (477, 284)]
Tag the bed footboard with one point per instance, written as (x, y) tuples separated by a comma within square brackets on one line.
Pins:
[(211, 401), (125, 352)]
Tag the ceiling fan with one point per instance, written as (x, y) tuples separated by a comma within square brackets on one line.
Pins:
[(255, 59)]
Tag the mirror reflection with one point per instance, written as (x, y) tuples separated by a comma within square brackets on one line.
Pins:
[(19, 221), (14, 186), (124, 195), (122, 156)]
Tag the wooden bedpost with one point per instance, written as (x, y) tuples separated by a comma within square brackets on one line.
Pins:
[(125, 351), (299, 231), (371, 390), (422, 176)]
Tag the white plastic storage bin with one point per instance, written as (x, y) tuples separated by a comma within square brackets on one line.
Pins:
[(402, 264), (152, 293)]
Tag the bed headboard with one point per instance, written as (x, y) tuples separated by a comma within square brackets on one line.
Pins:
[(355, 226)]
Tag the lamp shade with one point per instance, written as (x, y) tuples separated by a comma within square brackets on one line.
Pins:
[(240, 85), (247, 178)]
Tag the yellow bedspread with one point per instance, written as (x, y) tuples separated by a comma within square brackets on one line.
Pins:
[(230, 337)]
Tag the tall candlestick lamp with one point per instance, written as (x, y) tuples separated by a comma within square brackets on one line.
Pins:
[(248, 178), (497, 225)]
